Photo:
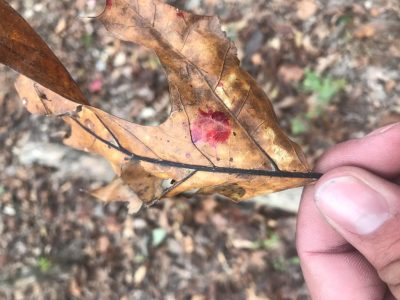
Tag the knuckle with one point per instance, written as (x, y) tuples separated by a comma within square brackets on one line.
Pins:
[(395, 290), (390, 273)]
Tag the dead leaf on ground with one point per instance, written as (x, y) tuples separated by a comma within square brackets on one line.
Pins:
[(103, 244), (306, 9), (222, 135), (140, 274), (365, 31), (74, 288), (251, 294), (291, 73)]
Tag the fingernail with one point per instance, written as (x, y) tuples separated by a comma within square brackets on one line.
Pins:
[(350, 204), (383, 129)]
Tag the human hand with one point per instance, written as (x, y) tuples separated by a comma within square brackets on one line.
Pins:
[(348, 232)]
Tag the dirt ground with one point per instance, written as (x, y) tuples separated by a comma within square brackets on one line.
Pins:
[(331, 69)]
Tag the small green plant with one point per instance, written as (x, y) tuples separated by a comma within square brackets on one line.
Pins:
[(2, 190), (344, 24), (269, 243), (281, 264), (294, 261), (87, 40), (272, 242), (299, 125), (325, 89), (44, 264), (345, 20)]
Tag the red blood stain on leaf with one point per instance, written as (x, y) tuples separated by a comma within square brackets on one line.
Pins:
[(109, 3), (211, 127), (180, 14)]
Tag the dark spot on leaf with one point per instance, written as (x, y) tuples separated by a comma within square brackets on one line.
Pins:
[(233, 191), (42, 95)]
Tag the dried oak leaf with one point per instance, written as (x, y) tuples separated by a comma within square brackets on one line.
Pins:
[(222, 135), (23, 50)]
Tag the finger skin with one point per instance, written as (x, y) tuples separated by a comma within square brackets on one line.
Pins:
[(378, 154), (333, 268), (381, 247)]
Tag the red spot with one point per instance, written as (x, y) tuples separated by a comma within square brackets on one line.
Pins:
[(109, 3), (180, 14), (220, 84), (211, 127), (96, 86)]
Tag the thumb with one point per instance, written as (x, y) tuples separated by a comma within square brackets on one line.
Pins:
[(365, 210)]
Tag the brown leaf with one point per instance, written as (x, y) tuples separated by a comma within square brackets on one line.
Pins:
[(306, 9), (103, 244), (365, 31), (222, 135), (140, 275), (251, 294), (23, 50), (117, 190), (74, 288), (291, 73)]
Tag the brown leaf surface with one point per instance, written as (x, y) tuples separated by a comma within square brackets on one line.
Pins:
[(23, 50), (306, 9), (222, 135), (118, 190)]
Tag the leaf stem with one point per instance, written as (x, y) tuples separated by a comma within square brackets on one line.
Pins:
[(209, 169)]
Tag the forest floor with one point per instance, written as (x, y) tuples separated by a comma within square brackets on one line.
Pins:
[(331, 69)]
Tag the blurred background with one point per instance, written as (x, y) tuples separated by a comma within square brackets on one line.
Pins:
[(331, 69)]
